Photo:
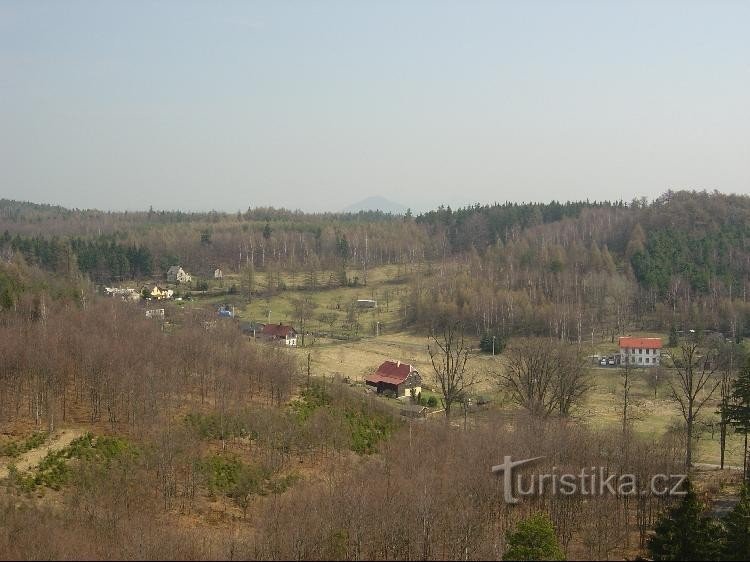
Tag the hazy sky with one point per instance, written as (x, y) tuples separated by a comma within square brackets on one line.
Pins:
[(315, 105)]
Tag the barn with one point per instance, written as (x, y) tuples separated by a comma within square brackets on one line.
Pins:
[(400, 378)]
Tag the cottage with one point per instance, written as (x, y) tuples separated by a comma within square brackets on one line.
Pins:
[(641, 352), (157, 292), (218, 274), (155, 313), (367, 303), (279, 333), (176, 274), (400, 378)]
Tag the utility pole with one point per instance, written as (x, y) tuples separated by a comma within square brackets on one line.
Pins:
[(493, 346), (308, 369), (364, 262)]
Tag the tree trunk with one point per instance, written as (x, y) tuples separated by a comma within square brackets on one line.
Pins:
[(689, 445)]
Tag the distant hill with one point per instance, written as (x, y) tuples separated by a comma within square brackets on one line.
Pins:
[(376, 203)]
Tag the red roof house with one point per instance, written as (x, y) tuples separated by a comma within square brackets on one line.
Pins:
[(400, 378), (280, 332), (642, 352), (635, 343)]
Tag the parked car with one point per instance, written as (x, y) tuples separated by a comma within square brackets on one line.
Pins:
[(603, 362), (610, 361)]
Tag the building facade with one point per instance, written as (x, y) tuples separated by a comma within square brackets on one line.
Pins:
[(176, 274), (640, 352), (400, 378)]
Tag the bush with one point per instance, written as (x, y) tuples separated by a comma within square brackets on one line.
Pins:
[(533, 539), (15, 448), (485, 344), (213, 426), (53, 471), (367, 429), (432, 402)]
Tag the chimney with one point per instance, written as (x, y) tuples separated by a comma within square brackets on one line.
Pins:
[(398, 363)]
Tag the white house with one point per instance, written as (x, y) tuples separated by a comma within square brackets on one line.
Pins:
[(176, 274), (641, 352)]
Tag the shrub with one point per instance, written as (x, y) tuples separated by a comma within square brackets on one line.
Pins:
[(432, 402), (533, 539), (15, 448)]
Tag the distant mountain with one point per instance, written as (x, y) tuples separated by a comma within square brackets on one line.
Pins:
[(376, 203)]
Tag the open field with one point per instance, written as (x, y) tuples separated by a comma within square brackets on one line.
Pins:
[(357, 352)]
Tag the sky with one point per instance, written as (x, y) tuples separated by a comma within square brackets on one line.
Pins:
[(315, 105)]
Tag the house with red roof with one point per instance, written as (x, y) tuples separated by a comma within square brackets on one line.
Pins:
[(280, 333), (640, 352), (400, 378)]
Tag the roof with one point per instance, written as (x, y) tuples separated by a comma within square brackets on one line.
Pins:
[(278, 331), (646, 343), (174, 269), (392, 372)]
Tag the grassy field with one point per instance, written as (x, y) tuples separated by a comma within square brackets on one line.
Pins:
[(357, 355)]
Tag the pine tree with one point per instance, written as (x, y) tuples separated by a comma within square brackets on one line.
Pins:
[(684, 533), (739, 410), (737, 525), (533, 539)]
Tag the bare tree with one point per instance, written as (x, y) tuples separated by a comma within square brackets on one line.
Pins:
[(626, 377), (693, 384), (303, 309), (449, 354), (544, 375)]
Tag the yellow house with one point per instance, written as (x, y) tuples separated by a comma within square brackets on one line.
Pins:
[(158, 293)]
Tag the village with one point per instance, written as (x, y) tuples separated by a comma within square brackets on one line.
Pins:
[(386, 360)]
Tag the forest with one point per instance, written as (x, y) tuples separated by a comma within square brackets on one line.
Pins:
[(126, 436), (572, 270)]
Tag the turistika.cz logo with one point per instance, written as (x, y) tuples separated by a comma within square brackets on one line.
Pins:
[(590, 481)]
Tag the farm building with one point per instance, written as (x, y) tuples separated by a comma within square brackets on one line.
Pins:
[(279, 332), (367, 303), (400, 378), (641, 352)]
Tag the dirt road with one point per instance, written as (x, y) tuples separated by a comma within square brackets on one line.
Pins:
[(31, 458)]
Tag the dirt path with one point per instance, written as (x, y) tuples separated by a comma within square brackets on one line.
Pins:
[(32, 458)]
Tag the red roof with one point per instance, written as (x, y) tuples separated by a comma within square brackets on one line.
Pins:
[(391, 372), (278, 331), (645, 343)]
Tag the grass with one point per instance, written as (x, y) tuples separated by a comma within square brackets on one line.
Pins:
[(362, 354), (653, 415), (14, 449)]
